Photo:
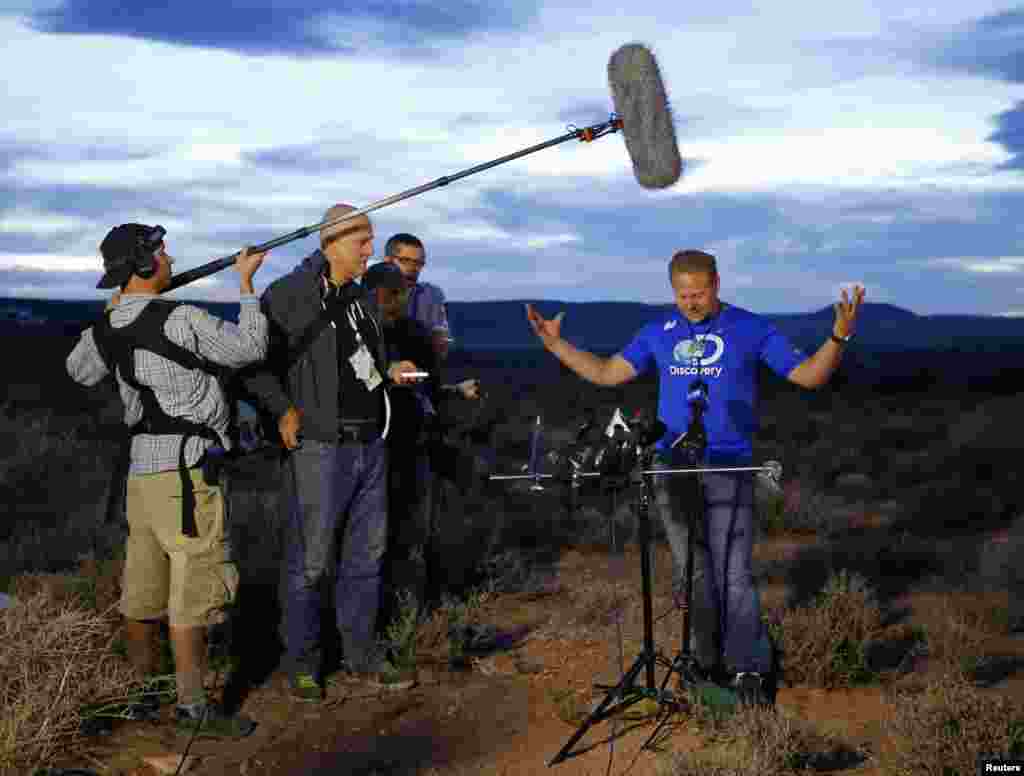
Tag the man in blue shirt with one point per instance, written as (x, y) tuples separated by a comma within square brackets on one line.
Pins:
[(720, 345), (426, 301)]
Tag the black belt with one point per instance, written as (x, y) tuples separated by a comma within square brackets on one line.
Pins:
[(360, 433)]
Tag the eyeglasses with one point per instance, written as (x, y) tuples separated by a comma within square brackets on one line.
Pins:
[(406, 261)]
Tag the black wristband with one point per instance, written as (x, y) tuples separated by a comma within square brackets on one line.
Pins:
[(840, 340)]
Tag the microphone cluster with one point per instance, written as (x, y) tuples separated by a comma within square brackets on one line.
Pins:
[(614, 452)]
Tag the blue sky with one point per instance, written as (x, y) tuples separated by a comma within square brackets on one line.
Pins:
[(871, 142)]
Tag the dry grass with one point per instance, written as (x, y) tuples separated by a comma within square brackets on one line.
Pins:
[(55, 661), (601, 605), (824, 644), (954, 640), (56, 653), (759, 742), (943, 730)]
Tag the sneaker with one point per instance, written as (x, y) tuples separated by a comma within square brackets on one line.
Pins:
[(145, 708), (209, 721), (750, 689), (306, 688)]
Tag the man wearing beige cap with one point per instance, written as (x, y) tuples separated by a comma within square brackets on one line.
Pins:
[(326, 380)]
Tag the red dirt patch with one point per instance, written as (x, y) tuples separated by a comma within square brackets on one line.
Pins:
[(503, 716)]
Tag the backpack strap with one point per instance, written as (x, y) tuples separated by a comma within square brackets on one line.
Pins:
[(117, 348)]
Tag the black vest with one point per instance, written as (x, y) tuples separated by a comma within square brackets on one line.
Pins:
[(117, 347)]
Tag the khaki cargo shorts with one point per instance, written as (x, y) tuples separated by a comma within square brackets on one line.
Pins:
[(187, 579)]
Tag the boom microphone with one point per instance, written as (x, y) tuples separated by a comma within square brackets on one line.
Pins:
[(641, 103), (641, 112)]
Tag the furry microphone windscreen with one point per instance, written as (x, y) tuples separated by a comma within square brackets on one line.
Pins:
[(641, 103)]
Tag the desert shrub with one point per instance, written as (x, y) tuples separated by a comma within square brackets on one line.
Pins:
[(400, 634), (53, 483), (760, 742), (56, 663), (515, 571), (771, 512), (946, 728), (806, 508), (825, 643), (455, 621), (992, 425), (955, 639)]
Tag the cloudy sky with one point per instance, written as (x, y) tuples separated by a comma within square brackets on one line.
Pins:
[(826, 143)]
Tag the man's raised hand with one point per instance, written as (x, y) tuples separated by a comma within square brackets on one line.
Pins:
[(846, 311), (549, 331), (247, 263)]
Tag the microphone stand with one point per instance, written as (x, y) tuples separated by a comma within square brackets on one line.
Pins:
[(627, 693)]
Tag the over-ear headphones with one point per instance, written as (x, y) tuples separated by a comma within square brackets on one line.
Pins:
[(144, 260)]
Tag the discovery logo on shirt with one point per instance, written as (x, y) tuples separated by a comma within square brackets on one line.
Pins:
[(698, 354)]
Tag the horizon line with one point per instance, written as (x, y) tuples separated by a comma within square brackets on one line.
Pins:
[(526, 300)]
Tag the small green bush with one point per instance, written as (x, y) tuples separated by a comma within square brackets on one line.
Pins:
[(824, 644)]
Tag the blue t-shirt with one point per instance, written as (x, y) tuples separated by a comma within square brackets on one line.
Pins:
[(723, 351)]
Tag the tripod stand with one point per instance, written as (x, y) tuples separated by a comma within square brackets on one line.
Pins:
[(626, 693), (693, 678), (630, 462)]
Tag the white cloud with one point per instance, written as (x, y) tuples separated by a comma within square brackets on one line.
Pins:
[(174, 167), (984, 265), (834, 157), (844, 139), (540, 242), (39, 222), (469, 232), (51, 263)]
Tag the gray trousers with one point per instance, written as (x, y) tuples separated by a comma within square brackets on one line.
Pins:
[(726, 627), (336, 530)]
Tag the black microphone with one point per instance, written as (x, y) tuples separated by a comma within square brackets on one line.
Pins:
[(698, 394), (586, 427), (651, 435), (695, 439)]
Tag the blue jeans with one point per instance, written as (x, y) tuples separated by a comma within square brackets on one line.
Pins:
[(726, 627), (335, 525)]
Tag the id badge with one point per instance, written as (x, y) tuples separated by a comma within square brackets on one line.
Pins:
[(365, 369)]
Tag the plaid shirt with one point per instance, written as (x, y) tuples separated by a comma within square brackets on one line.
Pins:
[(184, 393)]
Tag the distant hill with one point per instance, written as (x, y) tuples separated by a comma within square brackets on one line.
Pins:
[(610, 325), (891, 341)]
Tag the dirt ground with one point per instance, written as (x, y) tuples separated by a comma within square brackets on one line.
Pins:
[(507, 715)]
